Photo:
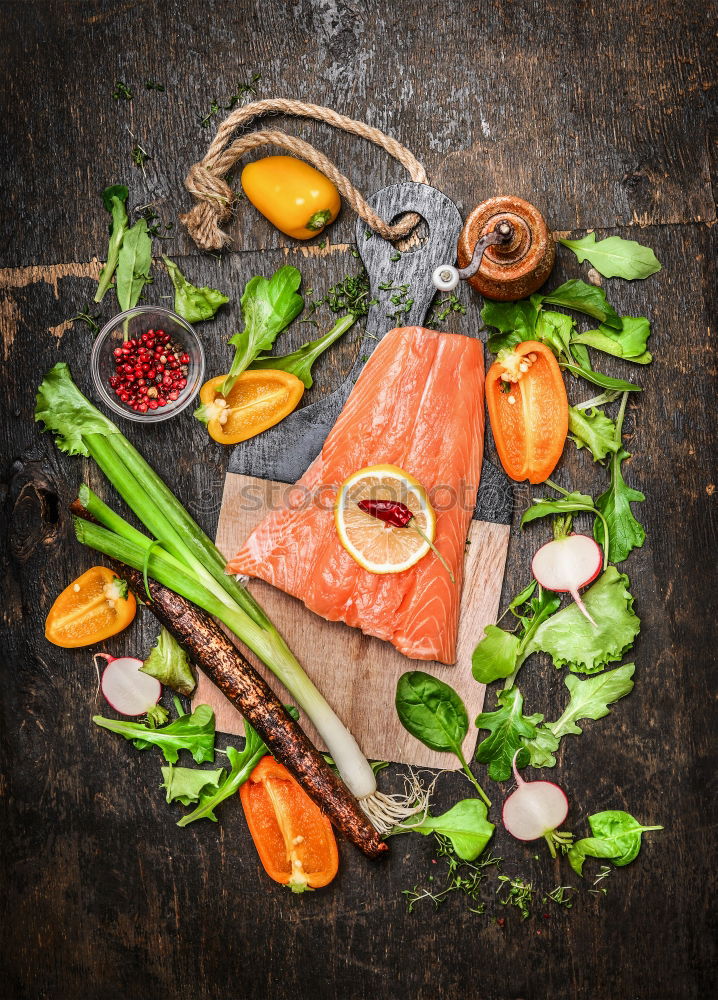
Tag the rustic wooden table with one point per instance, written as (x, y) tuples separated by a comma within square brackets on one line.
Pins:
[(597, 112)]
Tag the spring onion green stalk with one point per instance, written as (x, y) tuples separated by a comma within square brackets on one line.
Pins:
[(181, 557)]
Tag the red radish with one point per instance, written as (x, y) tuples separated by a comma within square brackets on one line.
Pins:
[(567, 564), (125, 688), (535, 810)]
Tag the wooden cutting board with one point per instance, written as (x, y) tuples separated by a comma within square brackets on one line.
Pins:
[(357, 673)]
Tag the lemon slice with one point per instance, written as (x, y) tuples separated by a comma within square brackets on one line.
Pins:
[(379, 547)]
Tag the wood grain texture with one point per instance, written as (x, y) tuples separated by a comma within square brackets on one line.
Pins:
[(598, 113), (357, 673)]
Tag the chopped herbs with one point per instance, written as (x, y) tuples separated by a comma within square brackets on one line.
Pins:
[(154, 223), (85, 316), (121, 92), (444, 307), (232, 101), (139, 156), (154, 85), (516, 892)]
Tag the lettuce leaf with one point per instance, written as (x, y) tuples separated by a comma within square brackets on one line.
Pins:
[(624, 531), (572, 641), (62, 408), (192, 303), (168, 662), (187, 784), (591, 428), (194, 733), (509, 728)]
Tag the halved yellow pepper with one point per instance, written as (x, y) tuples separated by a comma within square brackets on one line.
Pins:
[(293, 195), (258, 400)]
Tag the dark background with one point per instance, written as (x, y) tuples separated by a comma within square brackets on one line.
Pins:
[(600, 114)]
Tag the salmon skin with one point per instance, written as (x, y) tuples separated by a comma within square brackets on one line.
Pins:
[(418, 404)]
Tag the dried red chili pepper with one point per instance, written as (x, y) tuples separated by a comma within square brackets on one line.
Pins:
[(389, 511)]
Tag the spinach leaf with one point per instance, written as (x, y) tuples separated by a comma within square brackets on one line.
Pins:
[(616, 836), (114, 199), (605, 381), (268, 307), (509, 727), (591, 428), (432, 712), (572, 641), (186, 784), (193, 732), (192, 303), (300, 362), (584, 298), (500, 654), (133, 265), (168, 662), (615, 257), (624, 531), (628, 343), (465, 824)]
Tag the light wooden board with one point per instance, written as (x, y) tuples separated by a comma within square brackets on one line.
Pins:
[(357, 673)]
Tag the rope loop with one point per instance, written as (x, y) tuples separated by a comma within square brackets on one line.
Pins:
[(214, 197)]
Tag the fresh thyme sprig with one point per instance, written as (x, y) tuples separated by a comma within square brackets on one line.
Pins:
[(122, 92)]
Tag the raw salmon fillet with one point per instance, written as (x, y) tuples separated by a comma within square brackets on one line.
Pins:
[(418, 404)]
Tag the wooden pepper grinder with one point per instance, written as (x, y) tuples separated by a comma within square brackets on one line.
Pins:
[(505, 251)]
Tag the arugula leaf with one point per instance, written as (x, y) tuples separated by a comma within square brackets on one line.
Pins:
[(591, 428), (590, 698), (615, 257), (192, 303), (268, 306), (168, 662), (465, 824), (616, 836), (114, 199), (62, 408), (509, 727), (500, 654), (605, 381), (624, 531), (193, 732), (186, 784), (628, 343), (133, 265), (571, 640), (300, 362), (432, 712), (584, 298)]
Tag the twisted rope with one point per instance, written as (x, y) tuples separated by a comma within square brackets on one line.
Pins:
[(214, 197)]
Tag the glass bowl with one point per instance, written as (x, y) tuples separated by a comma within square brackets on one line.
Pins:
[(131, 325)]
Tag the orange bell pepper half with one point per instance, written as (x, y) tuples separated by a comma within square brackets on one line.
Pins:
[(528, 410), (95, 606), (293, 837)]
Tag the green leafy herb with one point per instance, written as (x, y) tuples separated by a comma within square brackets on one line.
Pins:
[(515, 320), (435, 714), (616, 836), (242, 766), (628, 343), (133, 265), (604, 381), (572, 641), (154, 85), (194, 733), (139, 156), (154, 222), (500, 653), (465, 825), (90, 318), (121, 92), (462, 876), (188, 784), (114, 199), (509, 728), (192, 303), (232, 101), (350, 295), (442, 308), (590, 699), (268, 307), (591, 428), (584, 298), (624, 531), (516, 892), (168, 662), (300, 362), (615, 257)]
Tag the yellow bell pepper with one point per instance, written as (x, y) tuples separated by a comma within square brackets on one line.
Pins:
[(293, 195), (258, 400)]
